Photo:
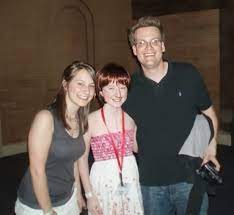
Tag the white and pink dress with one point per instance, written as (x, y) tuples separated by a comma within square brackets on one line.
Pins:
[(104, 175)]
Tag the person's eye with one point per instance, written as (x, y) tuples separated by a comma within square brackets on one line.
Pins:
[(92, 86), (80, 83), (141, 43), (155, 42)]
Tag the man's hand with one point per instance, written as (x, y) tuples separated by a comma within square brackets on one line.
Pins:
[(210, 154)]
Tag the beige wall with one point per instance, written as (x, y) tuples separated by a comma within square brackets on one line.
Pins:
[(194, 37), (112, 19), (227, 63), (38, 39)]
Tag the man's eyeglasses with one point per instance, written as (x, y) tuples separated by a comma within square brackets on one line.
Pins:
[(143, 44)]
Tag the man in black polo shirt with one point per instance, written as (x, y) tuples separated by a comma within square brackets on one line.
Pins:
[(164, 100)]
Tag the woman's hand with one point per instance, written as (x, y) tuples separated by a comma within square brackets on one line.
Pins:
[(81, 202), (53, 213), (93, 206), (50, 212)]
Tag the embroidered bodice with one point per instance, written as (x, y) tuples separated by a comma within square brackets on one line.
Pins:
[(102, 147)]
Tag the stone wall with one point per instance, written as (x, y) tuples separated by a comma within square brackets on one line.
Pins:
[(38, 39)]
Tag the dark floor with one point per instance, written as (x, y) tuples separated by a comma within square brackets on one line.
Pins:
[(12, 169)]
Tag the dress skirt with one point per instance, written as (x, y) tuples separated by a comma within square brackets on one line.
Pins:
[(113, 198)]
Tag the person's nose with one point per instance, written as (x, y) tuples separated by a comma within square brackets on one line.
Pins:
[(118, 92), (86, 90)]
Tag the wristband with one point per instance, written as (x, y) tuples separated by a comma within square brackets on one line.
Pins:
[(49, 212), (88, 195)]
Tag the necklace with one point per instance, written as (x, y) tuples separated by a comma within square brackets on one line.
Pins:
[(74, 126), (72, 119)]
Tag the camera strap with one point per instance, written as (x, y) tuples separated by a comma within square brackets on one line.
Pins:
[(196, 196), (199, 185)]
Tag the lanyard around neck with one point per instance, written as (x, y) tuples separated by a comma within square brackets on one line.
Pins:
[(120, 162)]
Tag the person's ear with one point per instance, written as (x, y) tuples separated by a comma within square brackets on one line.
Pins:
[(163, 46), (134, 50), (64, 84), (101, 93)]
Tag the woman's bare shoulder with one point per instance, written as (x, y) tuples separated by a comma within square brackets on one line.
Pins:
[(94, 115), (43, 116)]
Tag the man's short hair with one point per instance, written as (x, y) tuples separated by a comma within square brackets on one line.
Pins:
[(146, 21)]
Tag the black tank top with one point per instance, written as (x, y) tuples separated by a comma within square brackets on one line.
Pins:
[(64, 151)]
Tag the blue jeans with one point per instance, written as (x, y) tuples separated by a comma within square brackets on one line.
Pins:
[(169, 200)]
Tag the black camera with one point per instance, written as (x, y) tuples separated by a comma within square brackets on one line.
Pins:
[(209, 173)]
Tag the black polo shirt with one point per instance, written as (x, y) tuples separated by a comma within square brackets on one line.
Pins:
[(164, 113)]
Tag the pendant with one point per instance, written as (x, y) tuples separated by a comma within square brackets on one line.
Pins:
[(123, 190)]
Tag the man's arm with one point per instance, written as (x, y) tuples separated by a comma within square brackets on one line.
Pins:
[(210, 154)]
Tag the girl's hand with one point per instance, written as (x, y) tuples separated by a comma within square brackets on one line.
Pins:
[(93, 206)]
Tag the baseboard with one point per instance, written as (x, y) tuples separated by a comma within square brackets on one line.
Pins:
[(224, 138), (12, 149)]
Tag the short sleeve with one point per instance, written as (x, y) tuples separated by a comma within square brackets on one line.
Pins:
[(202, 97)]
